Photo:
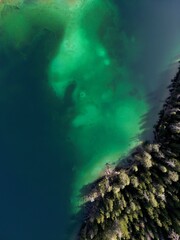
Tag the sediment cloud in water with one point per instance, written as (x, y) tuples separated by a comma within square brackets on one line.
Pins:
[(100, 60)]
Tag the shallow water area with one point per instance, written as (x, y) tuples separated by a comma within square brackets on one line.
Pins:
[(80, 85)]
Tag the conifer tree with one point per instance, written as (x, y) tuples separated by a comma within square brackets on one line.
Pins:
[(141, 201)]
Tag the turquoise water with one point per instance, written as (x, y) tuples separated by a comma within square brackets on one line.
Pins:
[(78, 82)]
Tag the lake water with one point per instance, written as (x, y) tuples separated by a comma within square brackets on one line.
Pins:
[(81, 83)]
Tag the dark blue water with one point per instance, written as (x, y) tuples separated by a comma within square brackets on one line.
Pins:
[(35, 156), (34, 167)]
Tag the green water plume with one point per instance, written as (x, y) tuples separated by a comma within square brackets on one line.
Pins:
[(107, 104), (94, 56), (99, 95)]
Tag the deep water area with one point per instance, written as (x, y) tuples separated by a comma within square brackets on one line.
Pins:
[(81, 83)]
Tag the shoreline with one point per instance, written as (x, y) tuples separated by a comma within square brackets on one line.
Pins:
[(157, 163)]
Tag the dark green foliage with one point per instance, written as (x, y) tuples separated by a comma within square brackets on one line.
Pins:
[(140, 201)]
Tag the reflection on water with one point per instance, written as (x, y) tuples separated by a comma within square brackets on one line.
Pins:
[(81, 83)]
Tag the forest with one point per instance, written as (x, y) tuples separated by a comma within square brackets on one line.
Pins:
[(139, 198)]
